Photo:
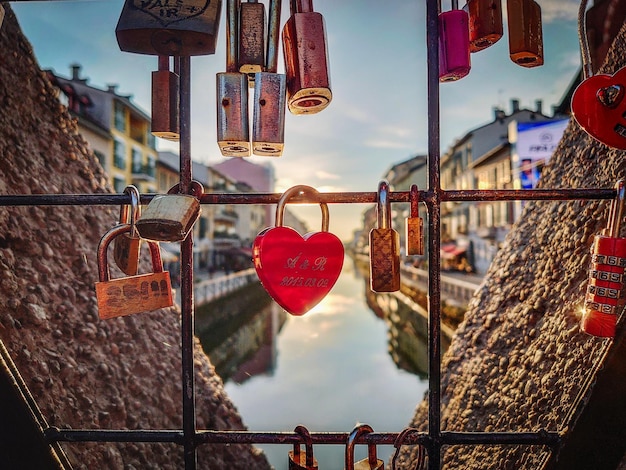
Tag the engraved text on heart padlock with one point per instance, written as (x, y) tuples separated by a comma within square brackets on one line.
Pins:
[(297, 271)]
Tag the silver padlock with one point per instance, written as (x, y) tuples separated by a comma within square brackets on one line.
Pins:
[(170, 217)]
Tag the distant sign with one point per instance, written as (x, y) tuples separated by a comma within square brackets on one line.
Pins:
[(538, 140)]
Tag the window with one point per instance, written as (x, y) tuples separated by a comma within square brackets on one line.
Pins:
[(119, 184), (101, 158), (119, 117), (151, 166), (137, 160), (119, 154)]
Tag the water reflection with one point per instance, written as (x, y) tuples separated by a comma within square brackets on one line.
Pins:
[(335, 366)]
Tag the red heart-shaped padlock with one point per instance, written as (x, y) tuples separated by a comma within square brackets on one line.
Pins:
[(296, 271), (598, 105)]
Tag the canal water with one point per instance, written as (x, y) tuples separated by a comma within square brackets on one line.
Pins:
[(327, 370)]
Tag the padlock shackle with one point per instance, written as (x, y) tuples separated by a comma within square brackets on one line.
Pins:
[(196, 188), (164, 63), (383, 207), (357, 432), (103, 247), (273, 36), (616, 214), (297, 190), (399, 442), (415, 200), (232, 34), (129, 213), (308, 445)]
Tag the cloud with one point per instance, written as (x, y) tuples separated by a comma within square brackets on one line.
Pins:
[(555, 10), (324, 175)]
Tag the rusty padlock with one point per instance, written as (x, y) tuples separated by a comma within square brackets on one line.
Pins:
[(306, 59), (134, 294), (454, 50), (414, 236), (169, 27), (606, 289), (372, 462), (384, 247), (268, 123), (233, 129), (525, 32), (126, 247), (299, 460), (485, 23), (165, 101), (252, 37), (170, 217)]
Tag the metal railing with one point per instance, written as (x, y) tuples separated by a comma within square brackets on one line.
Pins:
[(211, 289)]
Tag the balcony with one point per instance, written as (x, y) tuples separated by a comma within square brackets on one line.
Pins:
[(144, 173), (226, 216), (223, 239)]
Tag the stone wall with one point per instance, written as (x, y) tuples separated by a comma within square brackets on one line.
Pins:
[(519, 361), (122, 373)]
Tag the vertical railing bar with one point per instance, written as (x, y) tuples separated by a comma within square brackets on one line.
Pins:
[(434, 231), (186, 275)]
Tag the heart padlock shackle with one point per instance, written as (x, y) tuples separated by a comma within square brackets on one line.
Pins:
[(598, 103), (297, 271), (133, 294), (485, 23), (170, 217), (384, 247), (302, 460), (126, 247), (306, 59), (454, 49), (233, 128), (372, 462), (170, 28), (525, 32), (606, 288), (165, 122)]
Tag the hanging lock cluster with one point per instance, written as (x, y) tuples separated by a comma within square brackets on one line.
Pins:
[(479, 25)]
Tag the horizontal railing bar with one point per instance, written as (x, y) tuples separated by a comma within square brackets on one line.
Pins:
[(113, 435), (330, 198)]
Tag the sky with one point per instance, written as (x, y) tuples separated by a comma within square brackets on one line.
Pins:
[(378, 114)]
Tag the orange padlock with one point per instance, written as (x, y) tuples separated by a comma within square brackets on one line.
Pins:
[(165, 102)]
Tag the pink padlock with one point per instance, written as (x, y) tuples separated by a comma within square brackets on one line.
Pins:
[(454, 47)]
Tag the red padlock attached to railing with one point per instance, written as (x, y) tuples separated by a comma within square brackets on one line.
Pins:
[(606, 289), (454, 49)]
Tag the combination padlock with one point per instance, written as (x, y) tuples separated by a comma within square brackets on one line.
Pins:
[(170, 217), (297, 271), (252, 37), (170, 28), (165, 101), (134, 294), (606, 289), (414, 236), (454, 50), (268, 123), (372, 462), (126, 247), (233, 129), (485, 23), (299, 460), (384, 247), (306, 59), (525, 32)]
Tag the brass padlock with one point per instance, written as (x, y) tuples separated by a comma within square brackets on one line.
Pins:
[(169, 27), (126, 247), (233, 129), (414, 236), (525, 32), (170, 217), (306, 59), (134, 294), (252, 37), (372, 462), (299, 460), (384, 247), (268, 128), (485, 23), (165, 102)]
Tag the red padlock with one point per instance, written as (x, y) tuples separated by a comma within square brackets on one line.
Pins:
[(454, 49), (485, 23), (297, 271), (606, 290)]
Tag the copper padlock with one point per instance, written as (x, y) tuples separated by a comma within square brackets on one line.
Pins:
[(372, 462), (169, 27), (165, 102), (485, 23), (414, 236), (299, 460), (252, 37), (306, 59), (170, 217), (233, 128), (525, 32), (454, 50), (384, 247), (134, 294), (126, 247)]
